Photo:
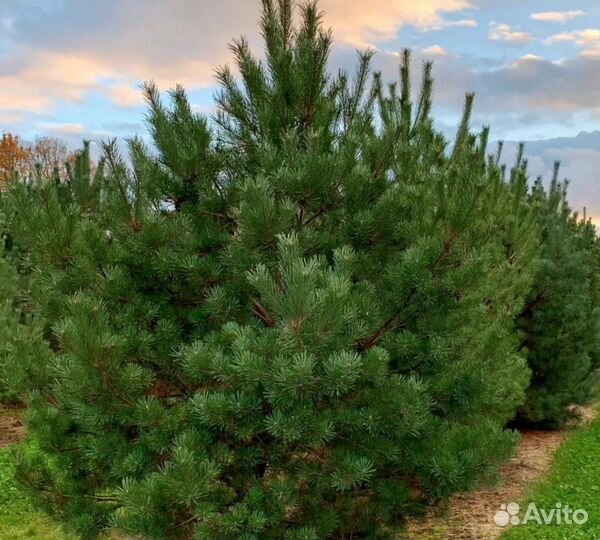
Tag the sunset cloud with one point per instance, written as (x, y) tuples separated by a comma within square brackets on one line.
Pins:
[(63, 129), (56, 58), (435, 50), (588, 40), (359, 24), (36, 81), (503, 32), (557, 16)]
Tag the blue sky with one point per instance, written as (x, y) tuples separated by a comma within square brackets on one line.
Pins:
[(72, 68)]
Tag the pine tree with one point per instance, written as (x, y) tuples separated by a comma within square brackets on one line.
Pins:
[(22, 343), (561, 320), (23, 349), (9, 288), (293, 322)]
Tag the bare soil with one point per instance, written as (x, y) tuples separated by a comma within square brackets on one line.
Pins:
[(12, 429)]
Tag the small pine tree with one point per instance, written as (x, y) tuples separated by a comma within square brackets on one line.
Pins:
[(23, 349), (10, 300), (8, 321), (22, 333), (561, 319)]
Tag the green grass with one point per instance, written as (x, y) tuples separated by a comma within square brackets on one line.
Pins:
[(18, 518), (574, 480)]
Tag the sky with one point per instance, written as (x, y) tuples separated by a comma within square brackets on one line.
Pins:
[(72, 68)]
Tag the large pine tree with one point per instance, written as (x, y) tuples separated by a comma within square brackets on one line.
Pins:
[(292, 321)]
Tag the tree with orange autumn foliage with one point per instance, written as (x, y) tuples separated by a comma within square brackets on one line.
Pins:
[(14, 156)]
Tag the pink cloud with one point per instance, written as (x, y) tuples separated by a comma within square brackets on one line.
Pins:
[(44, 77), (63, 129), (556, 16), (181, 42), (588, 40), (361, 24), (503, 32)]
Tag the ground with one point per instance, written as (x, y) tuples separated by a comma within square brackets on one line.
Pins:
[(574, 480), (471, 516), (11, 427), (18, 518)]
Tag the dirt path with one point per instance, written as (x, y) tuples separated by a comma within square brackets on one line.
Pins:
[(471, 516), (11, 427)]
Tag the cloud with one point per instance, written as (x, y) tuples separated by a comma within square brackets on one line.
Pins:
[(580, 166), (556, 16), (528, 58), (201, 108), (465, 23), (125, 95), (535, 83), (583, 38), (588, 40), (435, 50), (11, 118), (361, 24), (69, 51), (461, 23), (524, 98), (63, 129), (33, 82), (61, 51), (503, 32)]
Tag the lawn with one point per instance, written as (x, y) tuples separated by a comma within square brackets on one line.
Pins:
[(574, 480), (18, 518)]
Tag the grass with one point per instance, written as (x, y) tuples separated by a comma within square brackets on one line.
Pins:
[(574, 480), (18, 518)]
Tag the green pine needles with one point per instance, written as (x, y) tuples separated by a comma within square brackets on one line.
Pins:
[(296, 320), (561, 321)]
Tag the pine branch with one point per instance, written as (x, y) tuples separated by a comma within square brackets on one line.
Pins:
[(259, 310), (534, 302), (374, 338)]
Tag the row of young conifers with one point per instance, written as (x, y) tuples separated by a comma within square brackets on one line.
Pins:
[(299, 319)]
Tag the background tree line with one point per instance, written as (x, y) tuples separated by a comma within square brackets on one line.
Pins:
[(45, 157)]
